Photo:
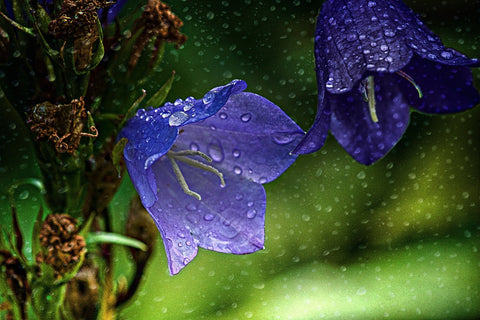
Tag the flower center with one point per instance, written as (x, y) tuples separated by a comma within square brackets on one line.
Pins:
[(368, 91), (183, 156)]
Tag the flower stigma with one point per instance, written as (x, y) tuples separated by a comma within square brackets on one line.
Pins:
[(183, 156), (368, 91), (410, 79)]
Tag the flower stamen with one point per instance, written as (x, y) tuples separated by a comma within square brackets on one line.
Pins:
[(410, 79), (183, 157), (369, 96)]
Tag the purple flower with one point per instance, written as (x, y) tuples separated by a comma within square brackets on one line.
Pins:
[(375, 59), (199, 166)]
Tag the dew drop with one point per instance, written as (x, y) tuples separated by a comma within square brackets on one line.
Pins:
[(389, 33), (384, 47), (223, 115), (239, 196), (446, 55), (237, 170), (129, 152), (177, 119), (236, 153), (194, 146), (186, 261), (372, 4), (208, 97), (191, 207), (246, 117), (283, 138), (23, 195), (251, 213), (215, 151), (208, 217)]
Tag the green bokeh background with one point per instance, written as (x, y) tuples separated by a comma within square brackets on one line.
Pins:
[(399, 239)]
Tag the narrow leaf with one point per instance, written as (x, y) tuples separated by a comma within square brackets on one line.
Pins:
[(159, 97), (115, 238)]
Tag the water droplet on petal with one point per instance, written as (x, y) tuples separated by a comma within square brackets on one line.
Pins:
[(237, 170), (191, 207), (384, 47), (389, 33), (251, 213), (165, 114), (177, 119), (215, 151), (446, 55), (194, 146), (223, 115), (186, 261), (129, 152), (246, 117), (208, 217), (283, 138), (239, 196), (236, 153), (372, 4), (208, 97)]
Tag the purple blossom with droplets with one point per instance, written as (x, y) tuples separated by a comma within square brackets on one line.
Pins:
[(374, 60), (224, 147)]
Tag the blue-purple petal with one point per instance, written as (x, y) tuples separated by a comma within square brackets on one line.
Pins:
[(445, 88), (183, 112), (250, 137), (352, 125), (228, 219)]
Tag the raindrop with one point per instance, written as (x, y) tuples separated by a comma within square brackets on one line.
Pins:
[(384, 47), (215, 151), (446, 54), (361, 175), (236, 153), (389, 33), (237, 170), (351, 37), (283, 138), (246, 117), (251, 213), (223, 115), (194, 146), (23, 195), (129, 152), (208, 97), (177, 119), (208, 217), (186, 261), (191, 207), (239, 196), (372, 4)]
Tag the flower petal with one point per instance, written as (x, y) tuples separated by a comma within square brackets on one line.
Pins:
[(149, 137), (228, 219), (191, 110), (316, 136), (352, 126), (250, 137), (445, 88), (361, 36)]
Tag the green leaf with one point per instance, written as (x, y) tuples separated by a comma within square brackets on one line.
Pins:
[(115, 238), (117, 154), (133, 108), (159, 97)]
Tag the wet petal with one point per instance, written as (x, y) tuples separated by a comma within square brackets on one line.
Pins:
[(191, 110), (352, 126), (316, 136), (228, 219), (250, 137), (149, 137), (445, 88)]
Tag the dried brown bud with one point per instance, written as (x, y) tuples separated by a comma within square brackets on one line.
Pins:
[(62, 124), (156, 21), (62, 244), (16, 277), (77, 22)]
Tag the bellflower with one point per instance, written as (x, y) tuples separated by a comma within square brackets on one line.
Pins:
[(375, 59), (199, 165)]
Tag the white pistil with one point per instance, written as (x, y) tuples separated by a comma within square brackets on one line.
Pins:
[(183, 157), (371, 98)]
